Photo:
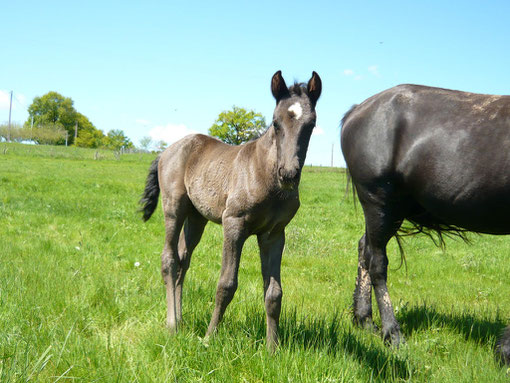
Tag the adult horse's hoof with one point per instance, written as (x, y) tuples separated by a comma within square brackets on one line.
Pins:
[(365, 323), (503, 347), (393, 337)]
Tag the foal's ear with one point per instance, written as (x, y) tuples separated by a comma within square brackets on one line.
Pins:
[(314, 88), (278, 86)]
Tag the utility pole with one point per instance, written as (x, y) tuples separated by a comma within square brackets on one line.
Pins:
[(75, 132), (10, 108)]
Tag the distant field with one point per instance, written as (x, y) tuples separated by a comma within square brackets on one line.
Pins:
[(74, 305)]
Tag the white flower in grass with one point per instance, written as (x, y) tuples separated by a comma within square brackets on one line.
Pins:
[(137, 264)]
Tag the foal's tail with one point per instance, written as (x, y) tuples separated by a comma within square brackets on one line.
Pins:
[(150, 195)]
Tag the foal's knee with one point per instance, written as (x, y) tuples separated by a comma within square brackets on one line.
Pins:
[(227, 289), (169, 266)]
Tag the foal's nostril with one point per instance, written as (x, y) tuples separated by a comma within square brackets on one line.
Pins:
[(295, 175), (288, 175)]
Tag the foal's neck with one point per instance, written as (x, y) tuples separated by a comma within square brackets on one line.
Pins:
[(267, 153)]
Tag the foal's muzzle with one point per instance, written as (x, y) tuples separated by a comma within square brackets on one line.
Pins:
[(289, 178)]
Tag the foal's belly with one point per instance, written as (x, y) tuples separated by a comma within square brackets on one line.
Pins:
[(209, 204)]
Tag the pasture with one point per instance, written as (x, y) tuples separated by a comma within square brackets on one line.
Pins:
[(82, 298)]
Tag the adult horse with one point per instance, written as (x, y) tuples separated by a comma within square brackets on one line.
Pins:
[(436, 157), (249, 189)]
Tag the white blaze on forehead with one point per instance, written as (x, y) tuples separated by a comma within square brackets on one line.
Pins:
[(297, 110)]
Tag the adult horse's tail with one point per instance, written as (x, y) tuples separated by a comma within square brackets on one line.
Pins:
[(349, 183), (150, 195)]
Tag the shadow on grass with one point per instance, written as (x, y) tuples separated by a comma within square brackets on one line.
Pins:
[(471, 327), (326, 335), (299, 332)]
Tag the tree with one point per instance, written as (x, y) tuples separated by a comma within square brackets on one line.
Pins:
[(145, 143), (53, 109), (90, 138), (238, 125), (117, 140), (88, 135), (161, 145)]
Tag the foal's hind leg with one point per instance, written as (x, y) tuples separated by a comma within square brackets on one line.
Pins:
[(381, 224), (188, 240), (271, 248), (363, 291), (175, 210)]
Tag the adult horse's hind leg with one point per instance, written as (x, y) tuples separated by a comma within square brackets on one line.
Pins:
[(188, 240), (363, 291), (503, 346), (381, 224), (271, 248)]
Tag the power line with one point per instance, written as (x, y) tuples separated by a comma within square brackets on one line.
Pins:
[(21, 103)]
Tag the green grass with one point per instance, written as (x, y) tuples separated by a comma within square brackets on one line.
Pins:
[(74, 307)]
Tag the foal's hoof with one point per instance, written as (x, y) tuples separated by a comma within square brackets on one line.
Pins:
[(272, 345), (204, 341), (503, 347), (172, 328)]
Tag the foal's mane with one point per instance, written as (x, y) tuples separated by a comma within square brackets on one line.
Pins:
[(298, 89)]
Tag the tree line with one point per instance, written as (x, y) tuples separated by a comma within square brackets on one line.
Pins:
[(53, 120)]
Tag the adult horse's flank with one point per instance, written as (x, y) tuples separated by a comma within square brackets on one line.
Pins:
[(249, 189), (438, 158)]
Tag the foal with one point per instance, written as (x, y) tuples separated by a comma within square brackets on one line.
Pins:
[(249, 189)]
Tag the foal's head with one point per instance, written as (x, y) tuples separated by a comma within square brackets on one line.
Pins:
[(293, 122)]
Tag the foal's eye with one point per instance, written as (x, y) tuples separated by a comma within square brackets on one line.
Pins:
[(276, 126)]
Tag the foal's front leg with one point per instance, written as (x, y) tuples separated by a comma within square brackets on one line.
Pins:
[(271, 248), (234, 237)]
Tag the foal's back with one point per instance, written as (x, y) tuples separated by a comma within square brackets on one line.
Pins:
[(202, 168)]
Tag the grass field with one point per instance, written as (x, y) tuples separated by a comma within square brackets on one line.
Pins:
[(82, 299)]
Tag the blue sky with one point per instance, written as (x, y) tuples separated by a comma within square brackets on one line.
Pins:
[(169, 68)]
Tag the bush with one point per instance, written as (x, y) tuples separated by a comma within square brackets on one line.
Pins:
[(50, 134)]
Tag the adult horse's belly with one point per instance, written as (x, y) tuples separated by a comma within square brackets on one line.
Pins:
[(475, 203), (460, 176)]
